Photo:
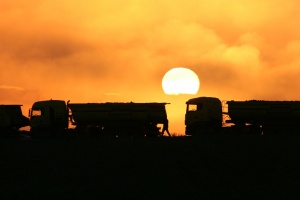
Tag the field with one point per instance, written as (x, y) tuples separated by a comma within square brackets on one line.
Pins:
[(207, 167)]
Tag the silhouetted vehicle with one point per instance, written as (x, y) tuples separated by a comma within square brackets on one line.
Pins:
[(48, 118), (114, 119), (209, 115), (11, 120)]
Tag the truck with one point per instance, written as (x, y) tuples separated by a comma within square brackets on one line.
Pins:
[(48, 118), (110, 118), (211, 115), (11, 120)]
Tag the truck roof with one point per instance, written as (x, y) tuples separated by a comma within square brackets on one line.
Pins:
[(121, 106), (267, 101), (11, 105), (201, 99), (125, 103), (49, 103)]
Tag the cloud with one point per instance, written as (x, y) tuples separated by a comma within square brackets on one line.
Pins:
[(83, 50), (10, 87)]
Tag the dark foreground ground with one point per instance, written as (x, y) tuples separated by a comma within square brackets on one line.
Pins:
[(208, 167)]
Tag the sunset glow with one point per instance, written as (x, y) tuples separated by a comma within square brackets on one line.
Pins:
[(98, 51)]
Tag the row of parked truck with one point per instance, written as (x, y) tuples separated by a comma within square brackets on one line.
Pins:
[(204, 115)]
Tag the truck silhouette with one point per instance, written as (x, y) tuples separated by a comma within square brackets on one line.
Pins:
[(209, 115), (204, 115), (11, 120), (115, 119)]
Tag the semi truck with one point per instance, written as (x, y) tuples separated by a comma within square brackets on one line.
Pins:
[(110, 118), (211, 115), (48, 118), (11, 120)]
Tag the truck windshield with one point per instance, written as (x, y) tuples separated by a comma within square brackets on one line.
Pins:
[(194, 107), (36, 113)]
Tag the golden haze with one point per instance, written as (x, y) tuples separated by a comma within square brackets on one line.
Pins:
[(99, 51)]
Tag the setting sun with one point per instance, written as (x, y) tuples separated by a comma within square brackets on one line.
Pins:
[(180, 81), (102, 51)]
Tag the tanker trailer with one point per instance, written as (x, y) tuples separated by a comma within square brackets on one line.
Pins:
[(48, 118), (271, 116), (119, 119), (11, 120)]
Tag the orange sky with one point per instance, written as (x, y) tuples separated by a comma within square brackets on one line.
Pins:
[(97, 51)]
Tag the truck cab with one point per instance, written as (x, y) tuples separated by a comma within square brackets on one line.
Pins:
[(48, 115), (203, 114)]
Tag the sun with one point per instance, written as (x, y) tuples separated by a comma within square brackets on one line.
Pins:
[(180, 81)]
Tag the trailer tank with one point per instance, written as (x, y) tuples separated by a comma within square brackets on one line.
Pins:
[(11, 119), (119, 118), (272, 116)]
